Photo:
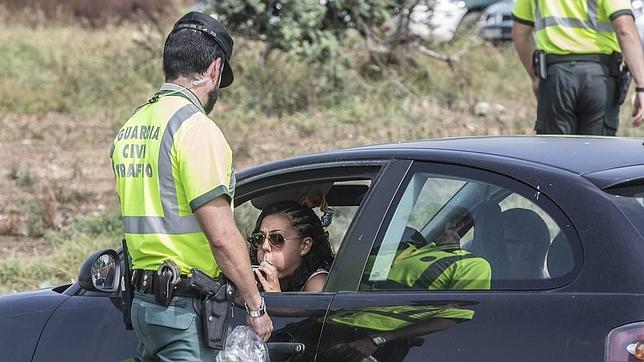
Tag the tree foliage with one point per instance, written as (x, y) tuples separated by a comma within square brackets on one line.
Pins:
[(312, 29)]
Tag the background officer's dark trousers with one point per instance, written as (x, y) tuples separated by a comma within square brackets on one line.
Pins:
[(578, 98)]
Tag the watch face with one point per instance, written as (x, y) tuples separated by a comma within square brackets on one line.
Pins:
[(379, 340)]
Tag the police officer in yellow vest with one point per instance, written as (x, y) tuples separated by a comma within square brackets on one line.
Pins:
[(575, 69), (175, 182)]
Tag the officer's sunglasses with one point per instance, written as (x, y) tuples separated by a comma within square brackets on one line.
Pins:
[(276, 240)]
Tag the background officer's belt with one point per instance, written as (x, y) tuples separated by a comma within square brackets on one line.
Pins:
[(182, 289), (594, 58)]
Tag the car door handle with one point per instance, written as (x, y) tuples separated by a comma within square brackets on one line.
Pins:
[(285, 349)]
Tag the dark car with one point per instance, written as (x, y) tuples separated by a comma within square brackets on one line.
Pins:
[(496, 22), (465, 249)]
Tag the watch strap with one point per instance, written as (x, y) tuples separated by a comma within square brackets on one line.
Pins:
[(256, 313), (639, 89)]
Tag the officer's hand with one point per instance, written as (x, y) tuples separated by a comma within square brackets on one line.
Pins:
[(263, 326), (638, 109), (535, 87)]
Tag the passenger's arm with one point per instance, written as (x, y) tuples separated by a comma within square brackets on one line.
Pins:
[(229, 249), (631, 45)]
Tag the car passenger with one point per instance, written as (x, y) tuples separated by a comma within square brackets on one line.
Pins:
[(292, 248), (441, 264)]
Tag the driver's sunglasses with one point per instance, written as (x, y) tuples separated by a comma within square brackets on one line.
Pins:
[(276, 240)]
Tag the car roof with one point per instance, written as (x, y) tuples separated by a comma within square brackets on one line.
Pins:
[(580, 155), (587, 156)]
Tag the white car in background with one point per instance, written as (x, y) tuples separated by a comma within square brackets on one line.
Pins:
[(441, 20), (439, 23)]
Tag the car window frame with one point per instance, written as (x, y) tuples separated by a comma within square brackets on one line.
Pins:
[(256, 185), (514, 185)]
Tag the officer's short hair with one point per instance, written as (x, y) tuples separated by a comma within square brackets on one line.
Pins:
[(189, 52)]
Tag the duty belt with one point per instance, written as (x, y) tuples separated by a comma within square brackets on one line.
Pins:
[(594, 58), (144, 280)]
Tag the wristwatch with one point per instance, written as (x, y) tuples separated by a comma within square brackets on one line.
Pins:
[(256, 313), (378, 340), (639, 89)]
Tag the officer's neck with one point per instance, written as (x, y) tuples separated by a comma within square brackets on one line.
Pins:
[(200, 91)]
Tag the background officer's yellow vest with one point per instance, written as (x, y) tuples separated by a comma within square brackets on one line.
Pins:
[(158, 194), (572, 26)]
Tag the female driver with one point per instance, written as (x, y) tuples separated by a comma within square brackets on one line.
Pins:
[(292, 249)]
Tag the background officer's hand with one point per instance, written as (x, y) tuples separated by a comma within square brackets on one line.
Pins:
[(638, 109), (263, 326), (535, 87)]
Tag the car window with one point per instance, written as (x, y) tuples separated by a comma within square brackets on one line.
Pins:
[(246, 217), (335, 201), (456, 233)]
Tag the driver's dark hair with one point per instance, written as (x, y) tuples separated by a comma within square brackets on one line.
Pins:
[(307, 223), (188, 52)]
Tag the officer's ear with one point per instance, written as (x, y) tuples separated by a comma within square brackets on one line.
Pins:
[(215, 70)]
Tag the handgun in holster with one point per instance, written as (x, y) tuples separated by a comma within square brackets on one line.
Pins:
[(217, 298), (540, 64), (623, 83), (127, 290)]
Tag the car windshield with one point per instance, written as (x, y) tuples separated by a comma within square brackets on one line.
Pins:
[(631, 200)]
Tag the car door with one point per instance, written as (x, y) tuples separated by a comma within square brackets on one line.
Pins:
[(466, 265), (87, 327), (348, 188)]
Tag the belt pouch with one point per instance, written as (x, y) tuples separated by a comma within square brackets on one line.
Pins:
[(615, 64), (215, 318), (539, 64)]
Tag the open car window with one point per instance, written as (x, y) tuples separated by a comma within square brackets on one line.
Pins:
[(336, 194), (343, 197)]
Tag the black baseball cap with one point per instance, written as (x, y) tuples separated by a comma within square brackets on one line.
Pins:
[(209, 25)]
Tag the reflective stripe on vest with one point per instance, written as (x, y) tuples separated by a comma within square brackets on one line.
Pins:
[(591, 23), (437, 268), (171, 222)]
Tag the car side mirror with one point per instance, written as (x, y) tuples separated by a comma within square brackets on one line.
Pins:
[(101, 272)]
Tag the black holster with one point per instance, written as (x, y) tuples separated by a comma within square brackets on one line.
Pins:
[(127, 289), (217, 304), (623, 83)]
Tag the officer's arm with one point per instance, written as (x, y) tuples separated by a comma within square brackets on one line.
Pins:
[(522, 39), (230, 252), (631, 45), (228, 247)]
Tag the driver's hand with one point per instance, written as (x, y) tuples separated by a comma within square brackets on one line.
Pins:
[(268, 277)]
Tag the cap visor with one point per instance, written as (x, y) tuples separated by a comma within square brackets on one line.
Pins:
[(227, 76)]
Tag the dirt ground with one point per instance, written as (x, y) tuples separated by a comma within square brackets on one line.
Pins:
[(53, 169)]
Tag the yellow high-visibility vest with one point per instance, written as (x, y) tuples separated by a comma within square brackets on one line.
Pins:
[(572, 26), (168, 160)]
